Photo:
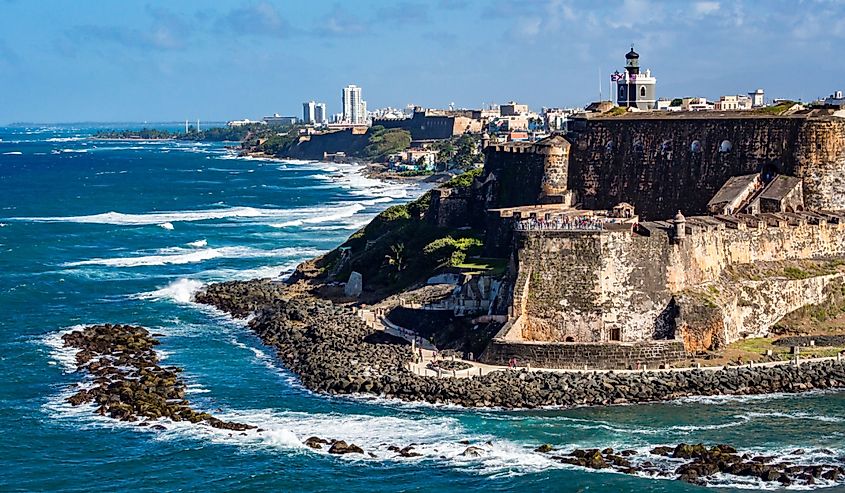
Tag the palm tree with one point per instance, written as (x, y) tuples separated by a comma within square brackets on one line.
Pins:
[(396, 257)]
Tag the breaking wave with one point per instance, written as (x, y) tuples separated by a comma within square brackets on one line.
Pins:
[(177, 256)]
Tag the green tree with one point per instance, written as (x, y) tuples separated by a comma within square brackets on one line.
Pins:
[(396, 258), (383, 142)]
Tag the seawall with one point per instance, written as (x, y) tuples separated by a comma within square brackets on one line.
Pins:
[(332, 350)]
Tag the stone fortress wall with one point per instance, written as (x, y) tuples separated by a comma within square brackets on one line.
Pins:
[(636, 292), (669, 162), (585, 285), (618, 296)]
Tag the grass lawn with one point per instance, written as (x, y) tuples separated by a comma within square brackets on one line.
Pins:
[(491, 266)]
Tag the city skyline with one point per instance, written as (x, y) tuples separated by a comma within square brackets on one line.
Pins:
[(156, 61)]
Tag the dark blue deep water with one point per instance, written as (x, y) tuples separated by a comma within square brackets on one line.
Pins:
[(96, 231)]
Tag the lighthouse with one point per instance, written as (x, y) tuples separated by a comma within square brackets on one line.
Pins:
[(633, 88)]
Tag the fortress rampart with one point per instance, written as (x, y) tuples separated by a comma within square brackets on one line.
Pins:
[(651, 293), (662, 163)]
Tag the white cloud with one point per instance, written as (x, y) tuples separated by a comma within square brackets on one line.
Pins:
[(706, 8)]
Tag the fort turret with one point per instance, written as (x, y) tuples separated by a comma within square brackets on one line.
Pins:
[(680, 223)]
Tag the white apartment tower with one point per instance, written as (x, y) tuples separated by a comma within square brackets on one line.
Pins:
[(354, 108), (309, 110)]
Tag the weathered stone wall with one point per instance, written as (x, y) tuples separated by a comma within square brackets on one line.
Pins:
[(599, 286), (557, 286), (433, 127), (333, 142), (580, 355), (704, 254), (661, 165), (519, 177), (821, 163)]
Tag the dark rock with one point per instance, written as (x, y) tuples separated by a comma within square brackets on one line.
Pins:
[(662, 450), (316, 442), (473, 452), (340, 447)]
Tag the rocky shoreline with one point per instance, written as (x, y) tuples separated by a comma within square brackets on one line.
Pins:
[(129, 384), (333, 351), (698, 464)]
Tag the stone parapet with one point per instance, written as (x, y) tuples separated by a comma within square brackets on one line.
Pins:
[(594, 356)]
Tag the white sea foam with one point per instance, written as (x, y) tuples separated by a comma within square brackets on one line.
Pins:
[(181, 291), (167, 226), (198, 243), (328, 215), (75, 151), (264, 272), (118, 218), (64, 356), (13, 153), (65, 139), (193, 255)]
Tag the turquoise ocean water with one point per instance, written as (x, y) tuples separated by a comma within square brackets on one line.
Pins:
[(102, 231)]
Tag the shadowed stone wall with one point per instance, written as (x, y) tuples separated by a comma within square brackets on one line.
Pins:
[(579, 355), (662, 165)]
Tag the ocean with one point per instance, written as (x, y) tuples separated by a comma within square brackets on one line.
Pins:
[(115, 231)]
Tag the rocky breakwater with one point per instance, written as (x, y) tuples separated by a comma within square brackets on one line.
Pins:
[(718, 465), (333, 351), (128, 382)]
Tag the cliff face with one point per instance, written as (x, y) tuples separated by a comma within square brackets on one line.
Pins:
[(661, 165)]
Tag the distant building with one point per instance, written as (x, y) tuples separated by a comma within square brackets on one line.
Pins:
[(427, 124), (837, 99), (513, 109), (277, 119), (758, 98), (241, 123), (354, 108), (697, 104), (733, 103), (321, 116), (633, 89), (663, 105), (314, 113), (557, 119), (308, 111)]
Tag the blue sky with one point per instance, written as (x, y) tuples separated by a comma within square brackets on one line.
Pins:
[(128, 60)]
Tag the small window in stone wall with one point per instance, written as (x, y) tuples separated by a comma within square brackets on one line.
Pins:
[(695, 147), (616, 334), (569, 339), (642, 92), (726, 146)]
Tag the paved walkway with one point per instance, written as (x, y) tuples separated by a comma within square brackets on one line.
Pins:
[(427, 351)]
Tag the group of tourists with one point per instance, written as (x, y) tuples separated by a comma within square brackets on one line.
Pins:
[(563, 222)]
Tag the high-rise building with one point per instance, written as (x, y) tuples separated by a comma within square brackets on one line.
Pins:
[(320, 114), (354, 108), (308, 112)]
